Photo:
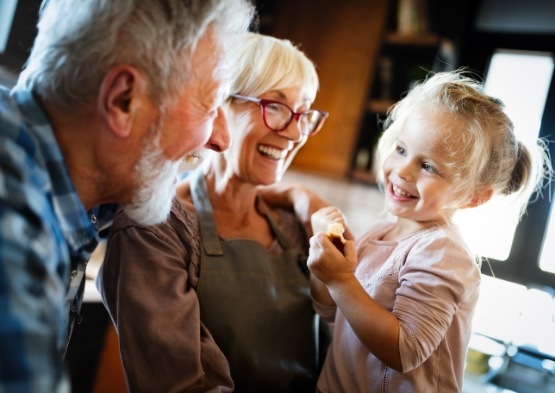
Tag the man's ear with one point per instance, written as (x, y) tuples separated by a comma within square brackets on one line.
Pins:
[(119, 88), (480, 197)]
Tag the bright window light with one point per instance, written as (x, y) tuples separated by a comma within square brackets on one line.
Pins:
[(7, 9), (521, 80), (547, 257), (498, 309)]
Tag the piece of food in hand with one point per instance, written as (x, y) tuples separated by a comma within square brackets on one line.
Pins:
[(335, 234)]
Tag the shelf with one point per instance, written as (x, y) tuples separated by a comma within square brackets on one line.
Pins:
[(363, 176), (430, 40), (380, 106), (404, 57)]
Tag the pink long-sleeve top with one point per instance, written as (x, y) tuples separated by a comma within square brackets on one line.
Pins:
[(430, 281)]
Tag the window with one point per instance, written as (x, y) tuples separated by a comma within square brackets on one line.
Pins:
[(519, 262), (547, 258), (18, 20), (7, 10), (521, 80)]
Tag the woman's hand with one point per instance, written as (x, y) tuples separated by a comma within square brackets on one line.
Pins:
[(296, 197)]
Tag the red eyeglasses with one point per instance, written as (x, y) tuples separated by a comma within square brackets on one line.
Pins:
[(277, 116)]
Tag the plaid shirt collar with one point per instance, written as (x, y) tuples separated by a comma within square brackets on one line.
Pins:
[(78, 226)]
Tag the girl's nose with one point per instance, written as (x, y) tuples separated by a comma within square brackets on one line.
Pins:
[(404, 172)]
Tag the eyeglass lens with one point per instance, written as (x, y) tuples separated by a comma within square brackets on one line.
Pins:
[(278, 117)]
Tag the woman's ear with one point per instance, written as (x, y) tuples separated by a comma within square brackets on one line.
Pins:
[(481, 196), (119, 88)]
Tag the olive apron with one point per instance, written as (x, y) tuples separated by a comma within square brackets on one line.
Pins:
[(257, 306)]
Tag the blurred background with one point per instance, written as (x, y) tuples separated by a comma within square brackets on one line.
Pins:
[(368, 54)]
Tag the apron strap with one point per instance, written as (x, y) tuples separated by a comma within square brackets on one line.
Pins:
[(209, 236), (273, 225)]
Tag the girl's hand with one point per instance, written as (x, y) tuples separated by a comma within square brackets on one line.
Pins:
[(327, 263), (321, 219)]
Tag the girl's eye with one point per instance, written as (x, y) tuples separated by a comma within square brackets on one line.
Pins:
[(428, 167), (400, 150)]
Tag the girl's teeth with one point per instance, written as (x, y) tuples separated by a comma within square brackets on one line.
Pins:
[(400, 192)]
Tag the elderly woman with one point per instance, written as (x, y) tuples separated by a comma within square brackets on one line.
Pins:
[(217, 298)]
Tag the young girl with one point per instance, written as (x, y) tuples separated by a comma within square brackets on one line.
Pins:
[(403, 300)]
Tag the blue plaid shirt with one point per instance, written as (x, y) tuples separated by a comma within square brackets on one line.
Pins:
[(46, 239)]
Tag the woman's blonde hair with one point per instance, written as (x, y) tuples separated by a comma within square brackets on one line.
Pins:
[(260, 63), (485, 151)]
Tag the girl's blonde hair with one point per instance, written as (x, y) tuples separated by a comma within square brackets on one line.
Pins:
[(485, 150)]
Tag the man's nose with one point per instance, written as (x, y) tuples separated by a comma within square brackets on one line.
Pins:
[(220, 139)]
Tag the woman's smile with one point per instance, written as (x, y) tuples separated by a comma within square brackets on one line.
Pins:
[(272, 152)]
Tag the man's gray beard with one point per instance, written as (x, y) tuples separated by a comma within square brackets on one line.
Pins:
[(156, 175)]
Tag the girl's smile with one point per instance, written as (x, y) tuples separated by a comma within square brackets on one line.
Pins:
[(400, 194)]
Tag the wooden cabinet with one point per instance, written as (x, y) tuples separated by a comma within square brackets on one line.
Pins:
[(405, 56), (364, 64), (342, 38), (403, 59)]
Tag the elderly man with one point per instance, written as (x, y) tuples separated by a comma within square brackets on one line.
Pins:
[(113, 96)]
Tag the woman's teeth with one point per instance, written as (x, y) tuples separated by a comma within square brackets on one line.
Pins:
[(271, 152)]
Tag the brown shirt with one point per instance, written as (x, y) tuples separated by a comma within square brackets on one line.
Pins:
[(148, 283)]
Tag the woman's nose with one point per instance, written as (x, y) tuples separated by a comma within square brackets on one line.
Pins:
[(219, 139), (293, 132)]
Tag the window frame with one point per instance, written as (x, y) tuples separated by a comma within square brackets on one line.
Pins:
[(522, 265)]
